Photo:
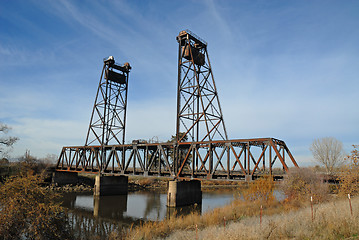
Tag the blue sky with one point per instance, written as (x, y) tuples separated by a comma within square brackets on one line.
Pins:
[(283, 69)]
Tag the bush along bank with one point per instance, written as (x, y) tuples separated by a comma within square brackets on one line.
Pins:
[(254, 201)]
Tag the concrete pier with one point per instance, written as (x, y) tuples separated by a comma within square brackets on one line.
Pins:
[(63, 178), (184, 193), (110, 185), (248, 178)]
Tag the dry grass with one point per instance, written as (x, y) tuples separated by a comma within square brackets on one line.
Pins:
[(332, 220), (238, 209), (289, 219), (221, 183), (146, 181)]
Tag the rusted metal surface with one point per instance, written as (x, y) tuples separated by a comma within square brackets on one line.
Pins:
[(108, 119), (199, 114), (115, 77), (222, 159)]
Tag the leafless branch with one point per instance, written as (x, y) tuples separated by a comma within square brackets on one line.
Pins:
[(328, 151)]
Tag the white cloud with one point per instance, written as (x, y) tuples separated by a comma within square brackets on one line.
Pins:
[(46, 136)]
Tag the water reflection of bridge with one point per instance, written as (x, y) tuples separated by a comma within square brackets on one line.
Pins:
[(108, 213), (88, 223)]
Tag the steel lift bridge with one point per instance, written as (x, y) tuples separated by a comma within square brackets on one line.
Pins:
[(201, 150)]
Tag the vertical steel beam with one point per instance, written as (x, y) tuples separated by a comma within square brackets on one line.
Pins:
[(270, 160), (248, 158), (264, 158), (244, 147), (228, 161), (210, 167)]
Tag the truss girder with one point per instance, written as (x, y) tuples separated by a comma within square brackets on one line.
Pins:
[(229, 159)]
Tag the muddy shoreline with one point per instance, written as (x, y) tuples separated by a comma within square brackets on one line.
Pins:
[(85, 184)]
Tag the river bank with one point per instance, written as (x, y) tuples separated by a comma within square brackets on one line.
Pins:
[(331, 220), (86, 183), (257, 198)]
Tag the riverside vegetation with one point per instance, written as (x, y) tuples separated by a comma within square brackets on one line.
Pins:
[(291, 218), (29, 211)]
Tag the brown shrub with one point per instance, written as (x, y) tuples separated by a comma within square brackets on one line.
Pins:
[(300, 184), (349, 175), (29, 212), (260, 190)]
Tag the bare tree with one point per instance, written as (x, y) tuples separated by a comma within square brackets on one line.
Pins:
[(328, 151), (5, 141)]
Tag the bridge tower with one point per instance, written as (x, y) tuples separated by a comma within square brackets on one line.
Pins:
[(199, 113), (202, 149), (108, 119)]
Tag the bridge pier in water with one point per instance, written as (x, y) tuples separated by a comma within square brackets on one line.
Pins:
[(184, 193), (64, 178), (110, 185)]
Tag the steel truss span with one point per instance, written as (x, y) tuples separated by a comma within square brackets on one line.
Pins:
[(224, 159)]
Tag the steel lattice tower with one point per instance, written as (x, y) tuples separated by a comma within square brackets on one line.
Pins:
[(199, 114), (108, 119)]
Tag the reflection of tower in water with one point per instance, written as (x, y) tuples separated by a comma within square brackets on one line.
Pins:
[(154, 208), (153, 203), (118, 206), (107, 216)]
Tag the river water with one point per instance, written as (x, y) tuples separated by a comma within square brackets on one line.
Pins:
[(142, 205), (98, 216)]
